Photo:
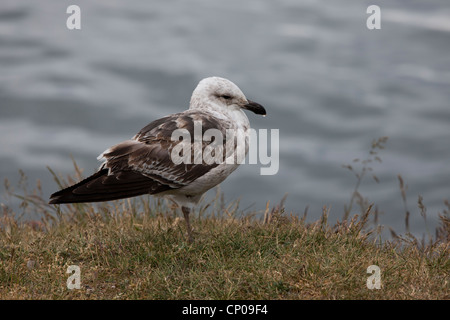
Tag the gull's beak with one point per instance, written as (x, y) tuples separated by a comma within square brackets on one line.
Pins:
[(254, 107)]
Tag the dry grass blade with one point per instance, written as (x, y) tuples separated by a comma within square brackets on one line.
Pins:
[(403, 188), (356, 196)]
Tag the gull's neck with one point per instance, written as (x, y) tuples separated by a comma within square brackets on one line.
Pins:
[(234, 114)]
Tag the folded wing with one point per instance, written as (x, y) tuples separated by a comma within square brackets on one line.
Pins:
[(143, 164)]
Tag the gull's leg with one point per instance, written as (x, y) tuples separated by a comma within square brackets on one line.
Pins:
[(186, 212)]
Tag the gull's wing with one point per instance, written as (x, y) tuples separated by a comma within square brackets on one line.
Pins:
[(143, 165)]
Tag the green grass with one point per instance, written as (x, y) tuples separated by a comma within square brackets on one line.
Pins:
[(137, 249), (132, 250)]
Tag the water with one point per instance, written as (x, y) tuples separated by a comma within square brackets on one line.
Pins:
[(328, 83)]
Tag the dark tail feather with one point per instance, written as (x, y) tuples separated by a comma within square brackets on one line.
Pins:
[(103, 187)]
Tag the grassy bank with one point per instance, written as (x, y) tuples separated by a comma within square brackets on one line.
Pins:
[(133, 250), (137, 249)]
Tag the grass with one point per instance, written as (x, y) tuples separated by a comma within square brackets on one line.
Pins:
[(130, 251), (137, 249)]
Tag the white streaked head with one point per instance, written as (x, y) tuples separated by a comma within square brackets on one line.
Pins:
[(222, 95)]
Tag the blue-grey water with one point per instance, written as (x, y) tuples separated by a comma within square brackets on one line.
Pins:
[(329, 85)]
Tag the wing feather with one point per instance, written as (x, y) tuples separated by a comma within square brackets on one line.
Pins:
[(143, 164)]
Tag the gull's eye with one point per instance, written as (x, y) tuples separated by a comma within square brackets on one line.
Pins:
[(226, 97)]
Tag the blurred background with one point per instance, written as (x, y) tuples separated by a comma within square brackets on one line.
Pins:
[(328, 83)]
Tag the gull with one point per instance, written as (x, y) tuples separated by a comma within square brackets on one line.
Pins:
[(145, 164)]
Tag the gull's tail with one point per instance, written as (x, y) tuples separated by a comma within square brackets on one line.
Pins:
[(103, 187)]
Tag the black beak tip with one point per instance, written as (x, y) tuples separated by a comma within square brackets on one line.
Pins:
[(255, 108)]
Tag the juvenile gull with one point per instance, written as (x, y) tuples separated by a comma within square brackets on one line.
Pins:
[(144, 165)]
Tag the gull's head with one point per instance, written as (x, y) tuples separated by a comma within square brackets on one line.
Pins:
[(222, 95)]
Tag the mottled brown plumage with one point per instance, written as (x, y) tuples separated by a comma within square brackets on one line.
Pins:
[(143, 165)]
